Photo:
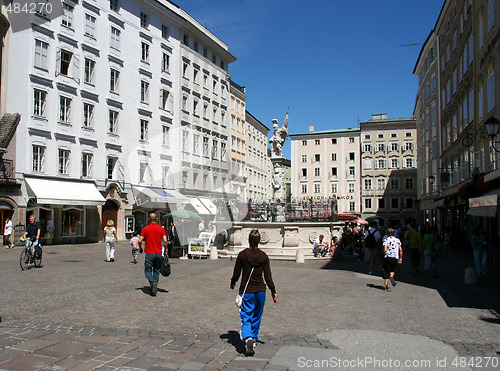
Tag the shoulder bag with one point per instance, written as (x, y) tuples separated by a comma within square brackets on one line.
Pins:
[(165, 269), (239, 298)]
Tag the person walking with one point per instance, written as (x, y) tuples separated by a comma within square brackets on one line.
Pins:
[(7, 231), (251, 263), (413, 238), (393, 254), (480, 248), (371, 245), (430, 247), (154, 234), (110, 240), (50, 231)]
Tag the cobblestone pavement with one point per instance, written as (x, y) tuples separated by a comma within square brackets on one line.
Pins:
[(79, 312)]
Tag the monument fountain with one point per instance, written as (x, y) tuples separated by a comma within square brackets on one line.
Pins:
[(287, 231)]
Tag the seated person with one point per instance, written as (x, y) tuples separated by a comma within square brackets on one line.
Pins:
[(320, 246), (334, 245)]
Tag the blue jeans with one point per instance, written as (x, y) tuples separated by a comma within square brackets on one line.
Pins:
[(251, 311), (481, 260), (152, 264)]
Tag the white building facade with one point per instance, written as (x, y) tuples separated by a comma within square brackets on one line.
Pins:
[(120, 100)]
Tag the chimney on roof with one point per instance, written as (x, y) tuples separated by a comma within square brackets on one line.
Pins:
[(379, 116), (311, 128)]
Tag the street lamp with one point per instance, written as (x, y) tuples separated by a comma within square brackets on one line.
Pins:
[(492, 126), (432, 179)]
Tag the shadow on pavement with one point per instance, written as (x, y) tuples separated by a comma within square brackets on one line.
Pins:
[(450, 283), (371, 285), (147, 290), (233, 337)]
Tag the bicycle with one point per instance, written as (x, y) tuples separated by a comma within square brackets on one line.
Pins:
[(27, 258)]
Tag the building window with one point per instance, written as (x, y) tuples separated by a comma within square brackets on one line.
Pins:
[(368, 184), (367, 136), (113, 5), (367, 148), (215, 149), (38, 158), (380, 136), (41, 51), (144, 92), (350, 187), (368, 203), (490, 85), (380, 147), (394, 163), (381, 203), (64, 62), (67, 16), (334, 171), (110, 166), (164, 31), (165, 135), (334, 141), (144, 129), (409, 203), (144, 20), (64, 109), (409, 183), (395, 146), (352, 156), (114, 81), (351, 140), (205, 147), (317, 142), (165, 63), (145, 52), (408, 146), (223, 151), (115, 38), (395, 203), (143, 172), (380, 184), (89, 25), (316, 171), (73, 222), (113, 122), (89, 71), (380, 163), (334, 187), (86, 165), (88, 115), (317, 157), (409, 162), (334, 157), (394, 183), (352, 206), (303, 188), (304, 172), (39, 103), (63, 161), (317, 187), (351, 170), (164, 99)]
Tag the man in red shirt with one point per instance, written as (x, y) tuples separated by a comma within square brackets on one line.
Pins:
[(153, 234)]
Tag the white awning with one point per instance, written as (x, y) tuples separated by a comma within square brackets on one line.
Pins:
[(200, 209), (483, 206), (151, 197), (209, 205), (64, 192)]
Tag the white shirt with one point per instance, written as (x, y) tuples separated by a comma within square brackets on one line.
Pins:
[(393, 244), (8, 228)]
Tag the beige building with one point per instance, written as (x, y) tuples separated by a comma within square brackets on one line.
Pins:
[(389, 169), (238, 141), (325, 164), (258, 161)]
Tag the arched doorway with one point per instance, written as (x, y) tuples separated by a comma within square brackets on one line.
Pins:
[(109, 212), (6, 211)]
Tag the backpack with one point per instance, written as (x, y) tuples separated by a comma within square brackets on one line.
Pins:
[(370, 241)]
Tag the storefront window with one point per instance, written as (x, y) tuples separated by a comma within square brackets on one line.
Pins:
[(73, 222)]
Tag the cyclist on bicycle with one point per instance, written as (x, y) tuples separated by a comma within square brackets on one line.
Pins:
[(33, 232)]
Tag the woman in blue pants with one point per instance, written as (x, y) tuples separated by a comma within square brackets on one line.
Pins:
[(251, 263)]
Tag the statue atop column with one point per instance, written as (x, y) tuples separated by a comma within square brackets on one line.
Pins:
[(279, 136)]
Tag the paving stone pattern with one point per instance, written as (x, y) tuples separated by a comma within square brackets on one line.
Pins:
[(79, 312)]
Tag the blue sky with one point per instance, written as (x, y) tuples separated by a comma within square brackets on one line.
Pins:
[(333, 63)]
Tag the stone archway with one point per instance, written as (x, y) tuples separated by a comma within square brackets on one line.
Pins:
[(110, 212)]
